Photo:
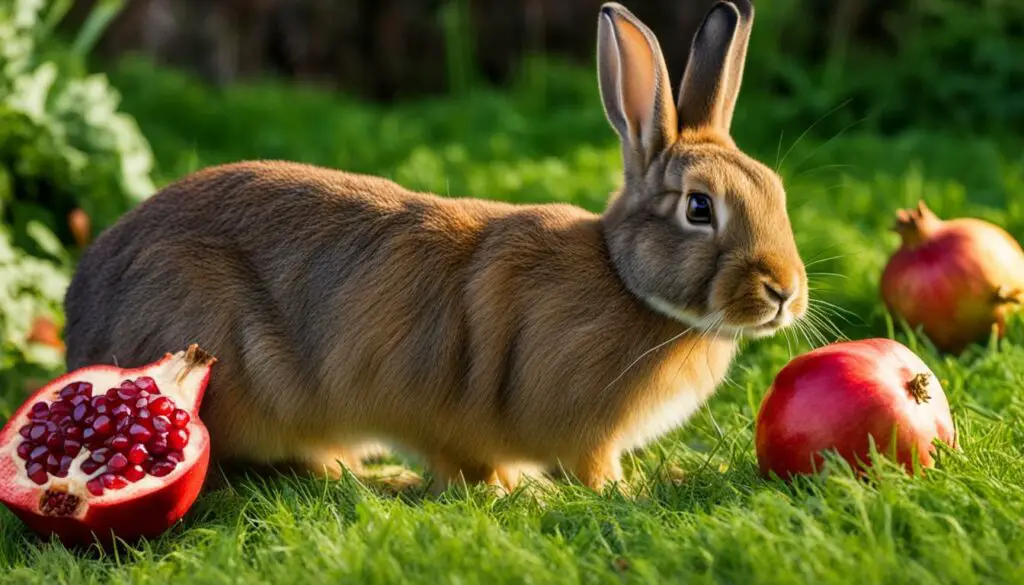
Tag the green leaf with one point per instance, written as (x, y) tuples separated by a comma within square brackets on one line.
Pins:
[(31, 91), (46, 240), (99, 18)]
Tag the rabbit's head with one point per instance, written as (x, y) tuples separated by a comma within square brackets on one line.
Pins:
[(699, 230)]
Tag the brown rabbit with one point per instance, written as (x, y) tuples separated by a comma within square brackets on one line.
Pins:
[(346, 311)]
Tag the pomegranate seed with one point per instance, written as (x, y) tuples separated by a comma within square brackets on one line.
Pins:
[(40, 410), (101, 455), (103, 425), (143, 414), (26, 431), (134, 473), (95, 486), (120, 442), (73, 432), (38, 432), (139, 433), (180, 418), (177, 439), (72, 447), (117, 462), (69, 391), (52, 463), (123, 424), (158, 445), (143, 395), (36, 472), (51, 427), (89, 466), (111, 394), (88, 434), (147, 465), (55, 442), (61, 407), (161, 424), (80, 399), (162, 468), (161, 405), (121, 410), (113, 482), (148, 384), (175, 456), (65, 462), (39, 453), (127, 391), (85, 387), (80, 412), (137, 454), (24, 448)]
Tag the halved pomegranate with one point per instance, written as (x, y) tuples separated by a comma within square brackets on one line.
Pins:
[(103, 451)]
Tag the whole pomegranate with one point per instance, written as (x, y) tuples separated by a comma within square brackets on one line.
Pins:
[(837, 396), (103, 452), (956, 279)]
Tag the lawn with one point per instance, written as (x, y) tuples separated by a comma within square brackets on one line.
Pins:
[(704, 513)]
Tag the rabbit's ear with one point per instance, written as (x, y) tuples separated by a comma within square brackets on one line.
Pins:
[(635, 86), (714, 70)]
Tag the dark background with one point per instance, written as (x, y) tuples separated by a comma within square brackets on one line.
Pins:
[(917, 59)]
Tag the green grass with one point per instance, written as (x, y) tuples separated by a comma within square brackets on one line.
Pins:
[(706, 516)]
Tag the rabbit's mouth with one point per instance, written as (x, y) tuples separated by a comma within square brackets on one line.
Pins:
[(780, 321), (760, 330), (717, 322)]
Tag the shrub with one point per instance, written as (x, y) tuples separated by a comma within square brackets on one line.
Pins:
[(63, 145), (63, 142)]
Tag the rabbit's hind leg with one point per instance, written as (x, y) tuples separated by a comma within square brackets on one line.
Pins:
[(391, 479)]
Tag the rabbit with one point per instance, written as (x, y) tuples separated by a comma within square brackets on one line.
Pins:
[(492, 339)]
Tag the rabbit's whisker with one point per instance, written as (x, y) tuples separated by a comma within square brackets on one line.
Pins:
[(809, 128), (820, 260), (645, 354)]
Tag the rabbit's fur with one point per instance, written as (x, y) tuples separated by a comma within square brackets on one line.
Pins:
[(345, 310)]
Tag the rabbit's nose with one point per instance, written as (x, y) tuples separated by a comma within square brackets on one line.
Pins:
[(778, 294)]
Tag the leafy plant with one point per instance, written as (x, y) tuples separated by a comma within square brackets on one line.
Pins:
[(64, 145), (63, 142), (30, 287)]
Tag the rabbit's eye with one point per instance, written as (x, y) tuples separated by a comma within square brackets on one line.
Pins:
[(699, 210)]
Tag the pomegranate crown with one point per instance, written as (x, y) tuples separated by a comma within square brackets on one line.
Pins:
[(916, 225)]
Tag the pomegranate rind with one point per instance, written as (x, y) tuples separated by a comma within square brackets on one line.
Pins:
[(840, 396), (145, 508)]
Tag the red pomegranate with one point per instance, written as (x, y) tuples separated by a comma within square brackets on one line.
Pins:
[(956, 279), (837, 396), (103, 452)]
